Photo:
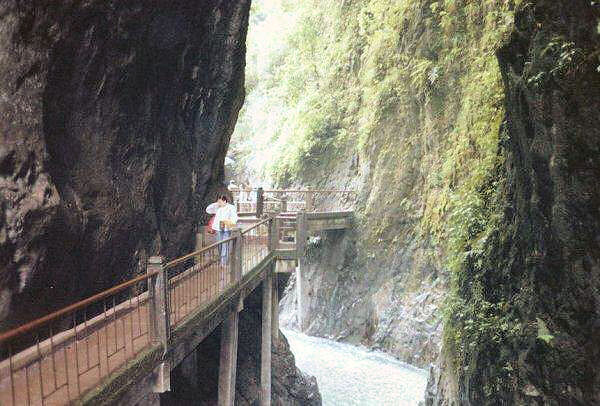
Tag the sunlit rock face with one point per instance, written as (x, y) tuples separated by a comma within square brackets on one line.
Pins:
[(116, 116), (544, 261), (380, 309)]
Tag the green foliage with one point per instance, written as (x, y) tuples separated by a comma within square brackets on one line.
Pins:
[(412, 87), (543, 332), (557, 60)]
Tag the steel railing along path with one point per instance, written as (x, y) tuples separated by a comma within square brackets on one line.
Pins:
[(58, 358)]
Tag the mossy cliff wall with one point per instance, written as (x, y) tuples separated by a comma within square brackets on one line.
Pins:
[(402, 101), (471, 136), (524, 319)]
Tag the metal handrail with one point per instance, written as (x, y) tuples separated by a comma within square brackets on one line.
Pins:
[(300, 190), (25, 328), (193, 254), (328, 214), (195, 268), (256, 225), (307, 191), (252, 246)]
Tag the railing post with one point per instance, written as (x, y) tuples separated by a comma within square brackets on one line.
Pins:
[(158, 312), (200, 243), (260, 202), (310, 200), (273, 234), (158, 302), (236, 256), (301, 234)]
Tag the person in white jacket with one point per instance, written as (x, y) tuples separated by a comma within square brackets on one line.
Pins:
[(225, 220)]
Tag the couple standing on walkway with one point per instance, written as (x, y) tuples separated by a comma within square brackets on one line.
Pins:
[(224, 220)]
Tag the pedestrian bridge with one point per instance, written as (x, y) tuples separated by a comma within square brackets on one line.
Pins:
[(119, 346)]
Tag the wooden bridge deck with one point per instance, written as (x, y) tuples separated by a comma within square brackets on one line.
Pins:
[(111, 346)]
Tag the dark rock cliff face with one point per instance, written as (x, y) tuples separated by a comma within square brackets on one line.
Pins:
[(115, 120), (543, 264)]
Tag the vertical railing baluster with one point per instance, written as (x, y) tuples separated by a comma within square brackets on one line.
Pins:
[(53, 357), (12, 378), (27, 384), (272, 234), (105, 322), (87, 337), (76, 343), (236, 257), (130, 314), (39, 355)]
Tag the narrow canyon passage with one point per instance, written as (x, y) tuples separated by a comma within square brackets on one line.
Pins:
[(424, 172)]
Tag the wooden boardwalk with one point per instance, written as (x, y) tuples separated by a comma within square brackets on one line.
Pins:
[(146, 326)]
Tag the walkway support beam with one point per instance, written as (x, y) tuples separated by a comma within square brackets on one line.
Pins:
[(275, 308), (228, 359), (265, 349), (301, 238)]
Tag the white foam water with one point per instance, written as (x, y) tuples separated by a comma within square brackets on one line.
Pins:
[(348, 375)]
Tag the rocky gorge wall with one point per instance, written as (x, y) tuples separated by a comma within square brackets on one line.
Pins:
[(382, 311), (525, 324), (115, 121), (116, 117)]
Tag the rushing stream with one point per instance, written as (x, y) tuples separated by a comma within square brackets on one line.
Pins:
[(349, 375)]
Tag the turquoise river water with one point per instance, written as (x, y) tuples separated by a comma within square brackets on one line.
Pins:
[(349, 375)]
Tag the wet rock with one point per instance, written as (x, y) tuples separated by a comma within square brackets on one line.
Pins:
[(343, 301), (544, 260), (115, 121)]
